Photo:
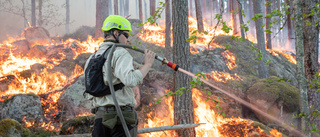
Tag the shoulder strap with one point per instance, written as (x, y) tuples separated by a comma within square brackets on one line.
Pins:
[(105, 53)]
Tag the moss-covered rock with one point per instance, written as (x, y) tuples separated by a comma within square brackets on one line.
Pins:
[(77, 125), (12, 128), (276, 98)]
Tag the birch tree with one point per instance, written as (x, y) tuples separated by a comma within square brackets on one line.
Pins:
[(152, 7), (116, 9)]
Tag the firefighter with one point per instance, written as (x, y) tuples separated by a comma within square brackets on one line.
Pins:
[(107, 124)]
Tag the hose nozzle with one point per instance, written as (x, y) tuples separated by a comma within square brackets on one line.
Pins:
[(175, 67)]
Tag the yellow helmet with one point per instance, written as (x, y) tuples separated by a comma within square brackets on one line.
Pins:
[(117, 22)]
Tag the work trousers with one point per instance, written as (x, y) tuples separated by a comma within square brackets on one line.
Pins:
[(99, 130)]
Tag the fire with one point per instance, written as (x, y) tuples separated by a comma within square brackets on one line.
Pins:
[(222, 76), (230, 59), (214, 125), (41, 82), (160, 118), (156, 34), (286, 55)]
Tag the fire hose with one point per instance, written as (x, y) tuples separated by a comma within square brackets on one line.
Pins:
[(118, 110)]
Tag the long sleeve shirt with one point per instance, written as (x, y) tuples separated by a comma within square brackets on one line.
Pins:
[(122, 71)]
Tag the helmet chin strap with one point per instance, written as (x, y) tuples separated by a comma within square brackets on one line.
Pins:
[(111, 32), (117, 38)]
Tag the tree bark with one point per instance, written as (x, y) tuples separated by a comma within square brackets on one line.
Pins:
[(268, 35), (240, 18), (152, 7), (199, 15), (183, 105), (40, 13), (121, 7), (191, 8), (67, 16), (310, 42), (126, 8), (140, 10), (289, 24), (168, 30), (33, 12), (252, 23), (116, 10), (302, 82), (101, 15), (262, 69)]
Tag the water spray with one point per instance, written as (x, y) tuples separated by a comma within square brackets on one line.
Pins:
[(176, 68)]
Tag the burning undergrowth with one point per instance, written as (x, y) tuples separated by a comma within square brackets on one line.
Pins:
[(54, 70)]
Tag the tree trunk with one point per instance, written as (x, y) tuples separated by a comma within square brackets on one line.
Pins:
[(126, 8), (268, 35), (140, 10), (233, 17), (302, 82), (204, 9), (120, 7), (110, 7), (24, 14), (67, 16), (289, 24), (116, 10), (33, 12), (152, 7), (211, 11), (262, 69), (183, 105), (145, 9), (101, 15), (199, 15), (240, 18), (251, 15), (310, 42), (40, 13), (191, 8), (168, 30)]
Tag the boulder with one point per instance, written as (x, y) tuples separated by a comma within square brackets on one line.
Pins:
[(72, 99), (276, 98), (82, 59), (7, 80), (24, 106), (12, 128), (37, 51), (66, 67), (20, 47), (77, 125), (36, 35)]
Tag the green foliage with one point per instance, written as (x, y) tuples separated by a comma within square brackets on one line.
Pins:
[(225, 27), (315, 83), (257, 16)]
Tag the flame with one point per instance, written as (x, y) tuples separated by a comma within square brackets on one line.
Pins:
[(215, 125), (41, 82), (222, 76), (230, 59)]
